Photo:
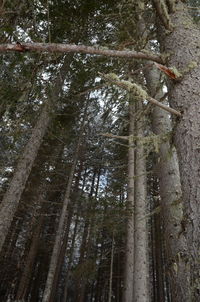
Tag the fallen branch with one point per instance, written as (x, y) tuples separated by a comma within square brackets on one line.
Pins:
[(64, 48), (138, 91)]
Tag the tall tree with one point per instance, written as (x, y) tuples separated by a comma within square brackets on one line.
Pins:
[(129, 252), (141, 261), (182, 45), (12, 197), (63, 217)]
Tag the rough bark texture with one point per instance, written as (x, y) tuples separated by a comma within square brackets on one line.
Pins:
[(12, 197), (183, 45), (129, 258), (141, 268), (171, 195)]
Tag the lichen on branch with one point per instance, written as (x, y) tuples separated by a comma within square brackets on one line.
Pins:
[(137, 91)]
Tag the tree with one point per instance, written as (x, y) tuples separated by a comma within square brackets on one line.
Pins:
[(183, 96), (8, 206)]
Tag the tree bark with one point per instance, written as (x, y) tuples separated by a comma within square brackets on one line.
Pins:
[(183, 45), (129, 252), (12, 197), (171, 197), (141, 262)]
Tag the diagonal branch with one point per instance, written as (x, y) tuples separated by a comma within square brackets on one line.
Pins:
[(64, 48), (162, 11), (138, 91)]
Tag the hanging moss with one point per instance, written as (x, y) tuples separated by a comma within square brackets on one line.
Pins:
[(136, 89)]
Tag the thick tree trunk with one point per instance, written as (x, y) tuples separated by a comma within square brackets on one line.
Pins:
[(183, 46), (141, 262), (129, 252)]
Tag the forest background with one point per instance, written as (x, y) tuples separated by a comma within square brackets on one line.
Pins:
[(100, 158)]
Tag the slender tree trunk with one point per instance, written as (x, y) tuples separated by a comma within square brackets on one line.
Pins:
[(183, 45), (12, 197), (141, 263), (61, 258), (111, 270), (159, 265), (129, 253), (26, 276), (64, 299), (62, 222), (81, 284)]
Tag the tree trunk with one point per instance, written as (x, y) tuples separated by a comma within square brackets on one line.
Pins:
[(111, 270), (12, 196), (183, 46), (170, 191), (141, 263), (70, 261), (62, 221), (26, 276), (129, 252)]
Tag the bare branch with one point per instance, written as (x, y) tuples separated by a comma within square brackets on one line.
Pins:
[(138, 91), (64, 48), (114, 136)]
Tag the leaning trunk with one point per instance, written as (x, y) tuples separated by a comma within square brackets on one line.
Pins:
[(12, 196)]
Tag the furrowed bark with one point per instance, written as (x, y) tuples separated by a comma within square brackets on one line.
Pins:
[(183, 44)]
